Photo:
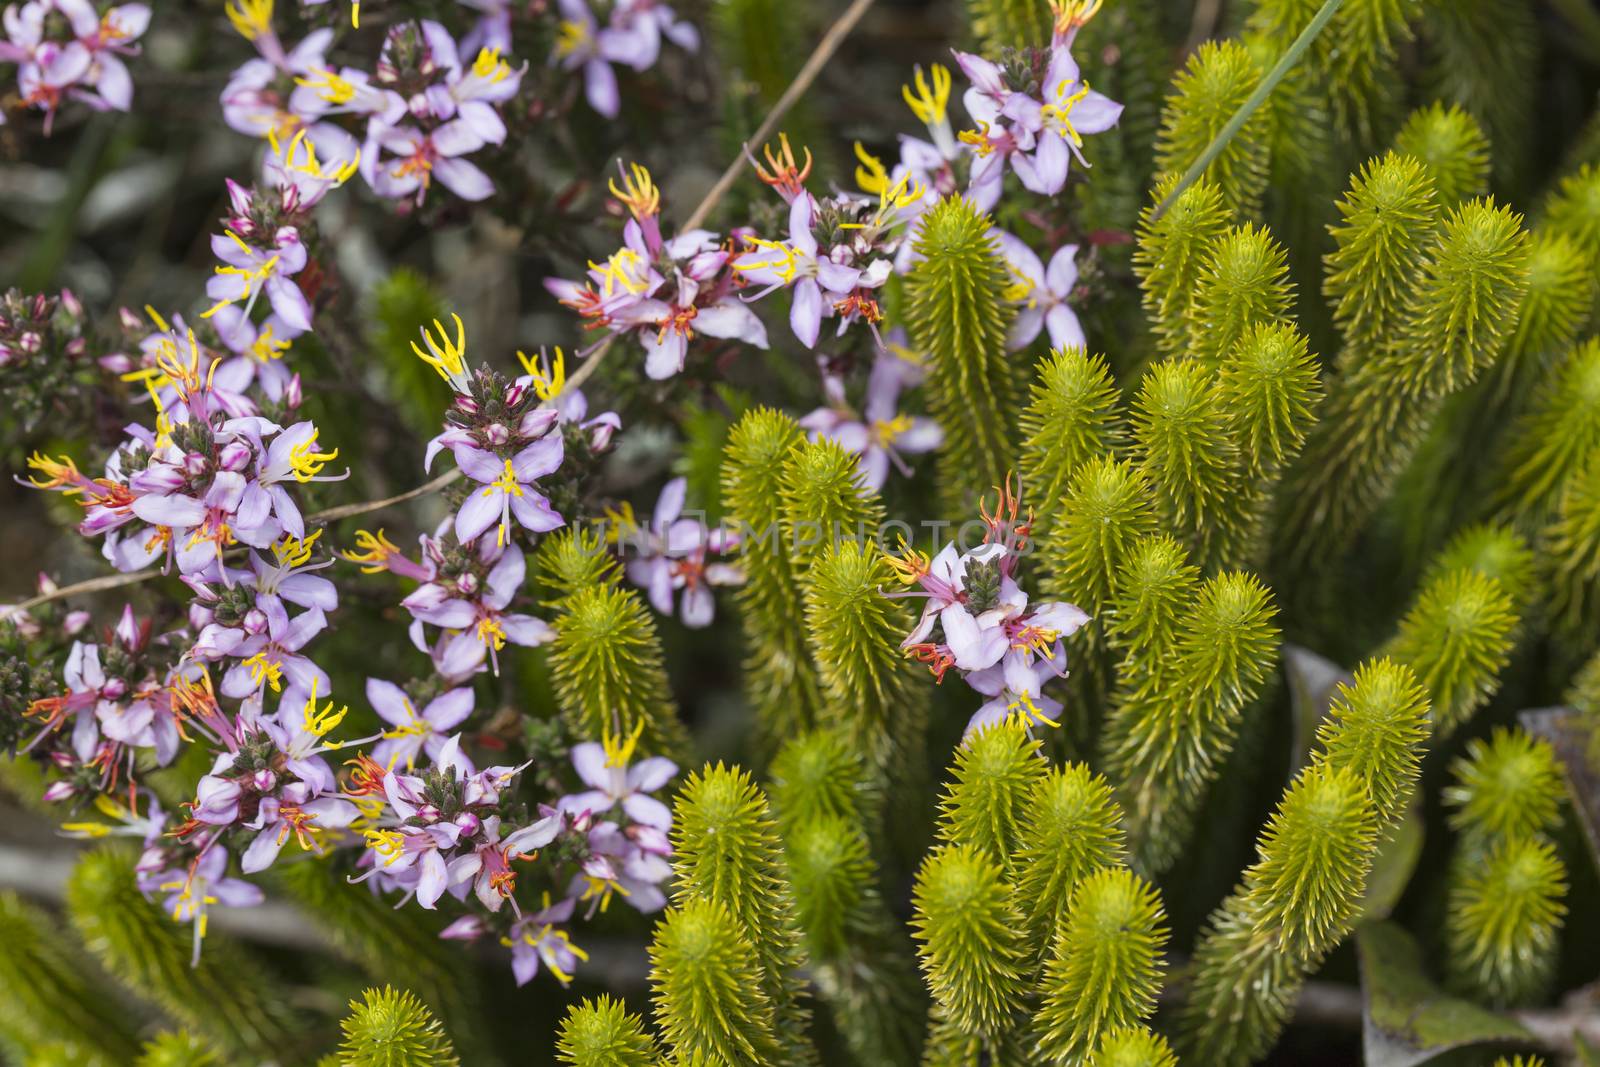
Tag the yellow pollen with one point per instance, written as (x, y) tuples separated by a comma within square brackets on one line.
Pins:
[(56, 472), (638, 193), (329, 86), (388, 844), (250, 276), (978, 139), (489, 65), (886, 432), (491, 633), (784, 266), (908, 564), (1029, 711), (443, 355), (321, 722), (573, 36), (1061, 111), (625, 268), (929, 104), (1070, 14), (86, 829), (262, 668), (870, 175), (621, 522), (306, 461), (548, 380), (251, 18), (1020, 290), (619, 749), (293, 552), (375, 549)]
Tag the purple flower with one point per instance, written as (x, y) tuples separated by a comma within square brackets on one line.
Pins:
[(413, 733), (637, 26), (248, 271), (1067, 109), (192, 891), (1041, 294), (672, 557), (619, 862), (796, 265), (880, 434), (508, 489), (475, 630), (488, 865), (536, 938), (269, 658), (259, 352), (294, 812), (579, 46), (415, 158), (612, 782)]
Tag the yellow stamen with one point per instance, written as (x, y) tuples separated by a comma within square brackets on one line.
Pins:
[(1029, 711), (622, 522), (319, 723), (784, 265), (1070, 14), (870, 175), (375, 549), (262, 668), (489, 65), (978, 139), (491, 633), (619, 749), (57, 472), (448, 358), (573, 36), (86, 829), (329, 86), (251, 18), (388, 844), (908, 564), (1061, 112), (306, 461), (548, 380), (929, 104), (293, 552), (886, 432), (638, 193)]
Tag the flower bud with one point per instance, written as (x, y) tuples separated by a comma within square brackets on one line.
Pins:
[(56, 792), (194, 464), (496, 434), (234, 456), (468, 823), (264, 780), (255, 621), (113, 688)]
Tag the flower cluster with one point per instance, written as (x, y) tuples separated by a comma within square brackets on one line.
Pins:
[(978, 620), (420, 111), (631, 38), (669, 556), (661, 292), (69, 50)]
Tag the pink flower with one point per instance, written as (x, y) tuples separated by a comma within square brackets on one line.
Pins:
[(1041, 294), (415, 733)]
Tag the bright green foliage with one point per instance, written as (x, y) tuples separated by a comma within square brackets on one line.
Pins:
[(1507, 787), (993, 779), (1553, 438), (969, 938), (779, 678), (223, 998), (1196, 664), (830, 869), (1465, 38), (1504, 920), (1181, 434), (1133, 1046), (1495, 551), (1561, 291), (1386, 218), (1170, 255), (1315, 852), (1217, 78), (1269, 387), (1375, 728), (1071, 827), (726, 851), (710, 992), (1243, 990), (1451, 144), (1458, 637), (571, 560), (403, 304), (1070, 419), (392, 1028), (180, 1049), (1574, 211), (608, 670), (822, 773), (47, 988), (1243, 283), (1304, 890), (1570, 553), (1002, 24), (958, 318), (1108, 507), (1456, 316), (854, 634), (823, 501), (861, 959), (1105, 969), (602, 1032)]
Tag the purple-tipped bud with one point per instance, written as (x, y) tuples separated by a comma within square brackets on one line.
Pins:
[(255, 621), (264, 780)]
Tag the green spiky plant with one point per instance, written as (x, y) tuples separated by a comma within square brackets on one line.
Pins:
[(391, 1028)]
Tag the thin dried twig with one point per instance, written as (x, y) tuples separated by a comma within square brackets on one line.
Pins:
[(826, 47)]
